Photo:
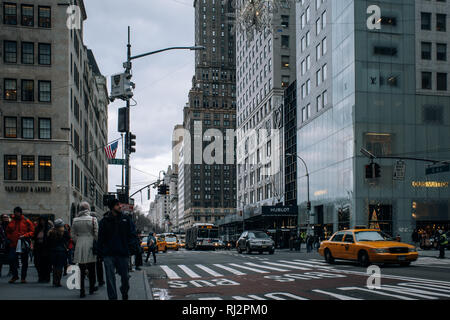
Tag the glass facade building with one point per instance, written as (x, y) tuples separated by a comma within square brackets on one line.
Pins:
[(374, 100)]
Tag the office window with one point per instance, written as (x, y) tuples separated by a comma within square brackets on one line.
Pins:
[(45, 168), (45, 128), (10, 89), (45, 94), (28, 128), (285, 21), (441, 51), (27, 15), (27, 52), (426, 20), (45, 54), (285, 42), (426, 50), (10, 51), (10, 166), (441, 22), (45, 17), (28, 168), (10, 13), (285, 61), (27, 90), (426, 80), (304, 114), (441, 83), (379, 144), (10, 127)]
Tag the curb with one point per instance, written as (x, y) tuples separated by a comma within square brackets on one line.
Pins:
[(148, 289)]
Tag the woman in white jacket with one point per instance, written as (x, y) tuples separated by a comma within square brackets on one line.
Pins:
[(84, 232)]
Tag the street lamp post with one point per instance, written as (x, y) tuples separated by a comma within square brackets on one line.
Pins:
[(308, 206), (128, 66)]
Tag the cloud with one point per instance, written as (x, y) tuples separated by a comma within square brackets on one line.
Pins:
[(162, 81)]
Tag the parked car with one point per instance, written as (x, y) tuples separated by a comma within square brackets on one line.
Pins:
[(366, 246), (255, 241)]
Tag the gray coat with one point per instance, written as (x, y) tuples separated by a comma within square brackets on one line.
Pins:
[(84, 231)]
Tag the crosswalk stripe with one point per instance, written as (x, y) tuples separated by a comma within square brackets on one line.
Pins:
[(255, 297), (336, 295), (428, 286), (234, 271), (248, 268), (317, 261), (311, 264), (188, 271), (298, 263), (287, 266), (208, 270), (377, 292), (414, 292), (265, 267), (170, 273)]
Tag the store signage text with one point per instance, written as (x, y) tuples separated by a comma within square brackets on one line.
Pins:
[(429, 184), (25, 189)]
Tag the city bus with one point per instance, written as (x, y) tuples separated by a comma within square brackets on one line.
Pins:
[(202, 236)]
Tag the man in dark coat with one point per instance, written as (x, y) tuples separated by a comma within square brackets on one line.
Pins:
[(116, 243)]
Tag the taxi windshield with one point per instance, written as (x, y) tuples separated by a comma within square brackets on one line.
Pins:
[(171, 239), (369, 236)]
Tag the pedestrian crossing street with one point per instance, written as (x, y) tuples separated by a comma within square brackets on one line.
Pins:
[(198, 271)]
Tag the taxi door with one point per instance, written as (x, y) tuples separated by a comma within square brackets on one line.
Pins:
[(336, 245), (349, 247)]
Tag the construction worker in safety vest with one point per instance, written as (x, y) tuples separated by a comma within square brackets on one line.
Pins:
[(443, 242)]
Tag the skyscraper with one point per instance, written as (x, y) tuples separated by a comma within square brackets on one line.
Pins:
[(379, 83), (209, 186)]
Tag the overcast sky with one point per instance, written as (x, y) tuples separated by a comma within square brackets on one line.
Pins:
[(162, 81)]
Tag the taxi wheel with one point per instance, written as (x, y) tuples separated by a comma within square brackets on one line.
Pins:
[(363, 259), (328, 256)]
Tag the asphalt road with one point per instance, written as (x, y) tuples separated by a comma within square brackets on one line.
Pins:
[(286, 275)]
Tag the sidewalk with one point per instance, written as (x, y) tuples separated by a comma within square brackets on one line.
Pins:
[(32, 290), (432, 253)]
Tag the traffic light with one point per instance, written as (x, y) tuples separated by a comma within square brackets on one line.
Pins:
[(130, 142), (122, 124), (160, 189), (308, 206), (128, 85), (369, 171), (377, 170), (167, 190)]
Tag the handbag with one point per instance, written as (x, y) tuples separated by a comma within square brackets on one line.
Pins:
[(94, 242)]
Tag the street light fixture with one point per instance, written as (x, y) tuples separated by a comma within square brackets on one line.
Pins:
[(128, 66), (308, 206)]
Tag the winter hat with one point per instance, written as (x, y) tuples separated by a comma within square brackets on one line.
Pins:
[(112, 203), (59, 223)]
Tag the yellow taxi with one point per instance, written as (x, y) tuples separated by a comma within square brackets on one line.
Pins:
[(144, 244), (161, 244), (366, 246), (171, 241)]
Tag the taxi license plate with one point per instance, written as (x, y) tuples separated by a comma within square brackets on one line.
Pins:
[(401, 258), (264, 247)]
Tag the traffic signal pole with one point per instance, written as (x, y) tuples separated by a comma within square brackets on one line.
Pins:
[(127, 150)]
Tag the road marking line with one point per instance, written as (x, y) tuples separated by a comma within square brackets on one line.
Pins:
[(234, 271), (287, 266), (188, 271), (208, 270), (336, 295), (316, 261), (313, 264), (414, 292), (376, 292), (248, 268), (256, 297), (428, 286), (170, 273), (265, 267)]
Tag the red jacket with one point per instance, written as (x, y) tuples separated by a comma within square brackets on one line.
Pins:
[(19, 228)]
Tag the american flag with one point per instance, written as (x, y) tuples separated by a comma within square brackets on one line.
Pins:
[(111, 150)]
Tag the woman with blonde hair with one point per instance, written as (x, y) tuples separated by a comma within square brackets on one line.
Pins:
[(84, 233)]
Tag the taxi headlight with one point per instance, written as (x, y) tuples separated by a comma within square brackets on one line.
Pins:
[(381, 250), (412, 250)]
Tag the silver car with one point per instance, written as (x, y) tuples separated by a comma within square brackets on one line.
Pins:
[(255, 241)]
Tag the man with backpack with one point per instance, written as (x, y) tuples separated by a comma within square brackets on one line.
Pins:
[(20, 228), (151, 243)]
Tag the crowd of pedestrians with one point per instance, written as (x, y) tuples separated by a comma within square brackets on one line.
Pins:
[(90, 243)]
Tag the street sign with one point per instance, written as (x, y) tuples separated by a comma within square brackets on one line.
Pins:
[(118, 162), (399, 170), (439, 169), (126, 208)]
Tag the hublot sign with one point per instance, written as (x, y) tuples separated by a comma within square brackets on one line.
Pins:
[(24, 189)]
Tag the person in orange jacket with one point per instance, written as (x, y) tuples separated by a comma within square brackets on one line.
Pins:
[(23, 229)]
